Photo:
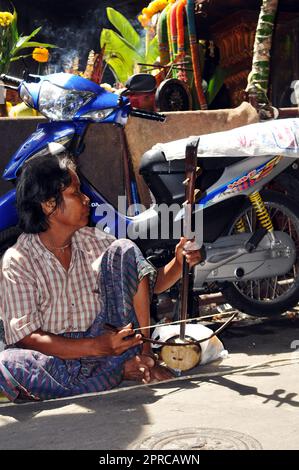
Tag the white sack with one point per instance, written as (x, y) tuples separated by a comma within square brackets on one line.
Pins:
[(276, 137), (211, 350)]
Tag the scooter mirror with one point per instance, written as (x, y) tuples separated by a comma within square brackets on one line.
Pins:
[(142, 82), (28, 77)]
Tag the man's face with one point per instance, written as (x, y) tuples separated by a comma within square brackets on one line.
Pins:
[(74, 209)]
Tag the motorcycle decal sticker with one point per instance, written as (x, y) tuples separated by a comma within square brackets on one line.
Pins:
[(242, 183), (254, 176)]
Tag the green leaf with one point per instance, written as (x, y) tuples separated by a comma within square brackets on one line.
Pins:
[(14, 29), (121, 69), (153, 51), (118, 43), (37, 44), (270, 18), (23, 39), (20, 57), (124, 27), (216, 83), (115, 44)]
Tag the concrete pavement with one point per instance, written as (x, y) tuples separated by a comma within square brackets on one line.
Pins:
[(250, 400)]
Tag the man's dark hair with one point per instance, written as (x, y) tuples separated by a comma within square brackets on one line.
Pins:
[(42, 178)]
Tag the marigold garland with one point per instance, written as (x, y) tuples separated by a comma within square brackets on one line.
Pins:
[(152, 9)]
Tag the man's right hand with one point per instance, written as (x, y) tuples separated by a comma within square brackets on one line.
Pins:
[(114, 343)]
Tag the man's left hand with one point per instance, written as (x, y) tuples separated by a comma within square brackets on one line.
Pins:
[(190, 250)]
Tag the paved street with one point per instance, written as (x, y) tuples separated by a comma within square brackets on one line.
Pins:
[(250, 400)]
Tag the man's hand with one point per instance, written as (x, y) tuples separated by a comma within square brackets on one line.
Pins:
[(190, 250), (114, 343), (172, 272)]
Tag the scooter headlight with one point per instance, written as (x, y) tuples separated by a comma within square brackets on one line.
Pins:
[(97, 115), (59, 104)]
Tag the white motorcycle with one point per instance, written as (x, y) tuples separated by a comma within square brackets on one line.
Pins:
[(250, 235)]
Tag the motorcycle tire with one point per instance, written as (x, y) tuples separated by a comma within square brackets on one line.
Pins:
[(173, 95), (278, 294), (8, 238)]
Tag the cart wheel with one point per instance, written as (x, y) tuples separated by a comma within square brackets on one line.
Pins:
[(173, 95)]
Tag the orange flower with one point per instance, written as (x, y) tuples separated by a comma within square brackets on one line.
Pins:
[(40, 54)]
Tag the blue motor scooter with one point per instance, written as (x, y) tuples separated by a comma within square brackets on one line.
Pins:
[(71, 103)]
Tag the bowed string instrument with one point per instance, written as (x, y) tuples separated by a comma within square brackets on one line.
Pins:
[(181, 351)]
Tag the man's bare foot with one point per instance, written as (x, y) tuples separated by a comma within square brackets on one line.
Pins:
[(138, 368), (159, 373)]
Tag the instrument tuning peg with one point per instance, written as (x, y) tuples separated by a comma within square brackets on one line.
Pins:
[(186, 181), (197, 194)]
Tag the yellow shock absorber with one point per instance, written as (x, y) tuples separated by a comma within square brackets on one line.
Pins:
[(261, 211), (240, 226)]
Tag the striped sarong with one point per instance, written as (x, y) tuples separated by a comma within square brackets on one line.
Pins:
[(31, 375)]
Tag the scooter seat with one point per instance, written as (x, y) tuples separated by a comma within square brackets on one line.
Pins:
[(154, 161), (217, 163)]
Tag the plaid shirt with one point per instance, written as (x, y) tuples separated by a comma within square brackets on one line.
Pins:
[(37, 292)]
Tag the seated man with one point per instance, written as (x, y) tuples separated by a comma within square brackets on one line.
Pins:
[(62, 282)]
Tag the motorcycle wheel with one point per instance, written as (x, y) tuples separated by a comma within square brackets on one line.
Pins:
[(173, 95), (8, 238), (275, 295)]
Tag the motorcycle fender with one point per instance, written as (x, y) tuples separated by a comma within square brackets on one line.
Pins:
[(8, 212), (45, 135)]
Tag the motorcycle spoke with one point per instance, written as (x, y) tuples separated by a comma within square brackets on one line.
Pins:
[(271, 209), (251, 289), (283, 229), (259, 290), (294, 271), (249, 222), (268, 286), (274, 287), (280, 287)]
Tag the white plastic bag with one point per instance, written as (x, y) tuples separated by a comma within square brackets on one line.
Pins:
[(211, 349), (276, 137)]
